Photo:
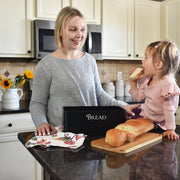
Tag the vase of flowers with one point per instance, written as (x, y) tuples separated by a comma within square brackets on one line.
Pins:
[(11, 91)]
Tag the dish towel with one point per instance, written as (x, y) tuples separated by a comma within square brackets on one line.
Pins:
[(61, 139)]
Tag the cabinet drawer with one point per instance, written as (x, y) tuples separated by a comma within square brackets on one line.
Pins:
[(16, 122)]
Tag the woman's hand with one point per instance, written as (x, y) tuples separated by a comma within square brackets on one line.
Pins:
[(44, 129), (129, 108), (171, 134)]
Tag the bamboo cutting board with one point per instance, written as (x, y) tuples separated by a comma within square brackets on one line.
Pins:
[(143, 140)]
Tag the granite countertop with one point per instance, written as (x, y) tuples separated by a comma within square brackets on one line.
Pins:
[(158, 161), (23, 107)]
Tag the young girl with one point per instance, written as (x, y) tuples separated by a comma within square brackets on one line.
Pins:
[(158, 86)]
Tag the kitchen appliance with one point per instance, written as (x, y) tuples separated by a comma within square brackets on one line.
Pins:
[(93, 44), (44, 38), (92, 120), (45, 42)]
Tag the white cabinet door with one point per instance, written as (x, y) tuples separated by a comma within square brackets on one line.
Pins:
[(90, 8), (177, 116), (170, 20), (50, 8), (147, 24), (117, 29), (16, 162), (15, 31)]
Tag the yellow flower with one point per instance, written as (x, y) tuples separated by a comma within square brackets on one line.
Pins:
[(0, 77), (28, 74), (23, 82), (6, 83)]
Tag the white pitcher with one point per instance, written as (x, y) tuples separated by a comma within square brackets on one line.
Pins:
[(10, 98)]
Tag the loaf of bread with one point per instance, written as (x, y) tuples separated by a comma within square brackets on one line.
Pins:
[(115, 137), (135, 127), (137, 73)]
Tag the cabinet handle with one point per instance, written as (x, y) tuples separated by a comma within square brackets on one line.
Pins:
[(137, 55), (129, 55), (10, 125), (29, 52)]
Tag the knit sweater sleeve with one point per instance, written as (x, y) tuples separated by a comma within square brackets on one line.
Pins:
[(40, 95), (103, 98)]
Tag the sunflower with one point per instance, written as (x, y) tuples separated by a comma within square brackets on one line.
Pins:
[(0, 77), (6, 83), (28, 74)]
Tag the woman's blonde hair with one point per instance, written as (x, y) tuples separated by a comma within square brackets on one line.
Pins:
[(64, 15), (168, 53)]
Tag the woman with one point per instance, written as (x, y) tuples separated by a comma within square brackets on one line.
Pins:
[(68, 76)]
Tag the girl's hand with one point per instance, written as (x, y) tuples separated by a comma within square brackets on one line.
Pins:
[(44, 129), (133, 83), (170, 133), (129, 108), (132, 70)]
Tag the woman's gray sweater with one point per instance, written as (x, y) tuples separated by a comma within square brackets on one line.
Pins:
[(61, 82)]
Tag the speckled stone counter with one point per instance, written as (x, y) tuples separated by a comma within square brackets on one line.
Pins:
[(156, 162)]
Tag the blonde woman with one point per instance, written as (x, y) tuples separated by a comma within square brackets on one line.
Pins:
[(68, 76)]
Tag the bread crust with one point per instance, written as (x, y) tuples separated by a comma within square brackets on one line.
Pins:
[(137, 73), (135, 127), (115, 137)]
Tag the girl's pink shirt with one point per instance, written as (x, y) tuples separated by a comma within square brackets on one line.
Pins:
[(161, 100)]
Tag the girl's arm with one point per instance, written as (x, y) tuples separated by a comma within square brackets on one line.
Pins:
[(170, 105), (137, 90)]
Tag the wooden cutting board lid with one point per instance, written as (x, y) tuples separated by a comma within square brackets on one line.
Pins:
[(139, 142)]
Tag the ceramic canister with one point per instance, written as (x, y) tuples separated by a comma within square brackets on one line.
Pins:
[(109, 88)]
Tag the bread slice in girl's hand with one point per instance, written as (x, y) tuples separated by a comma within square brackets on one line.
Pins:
[(137, 73)]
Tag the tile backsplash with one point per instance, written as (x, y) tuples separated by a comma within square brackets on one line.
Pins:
[(107, 70)]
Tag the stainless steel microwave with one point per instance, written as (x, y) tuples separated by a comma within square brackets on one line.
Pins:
[(45, 42)]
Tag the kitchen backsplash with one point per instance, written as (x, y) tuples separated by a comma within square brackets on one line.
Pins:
[(107, 70)]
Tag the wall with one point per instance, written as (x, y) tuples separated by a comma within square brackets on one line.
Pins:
[(107, 70)]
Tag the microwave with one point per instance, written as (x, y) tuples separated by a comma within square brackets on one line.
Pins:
[(45, 41)]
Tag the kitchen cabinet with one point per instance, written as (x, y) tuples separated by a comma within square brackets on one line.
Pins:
[(15, 31), (147, 25), (90, 8), (129, 26), (16, 162), (50, 8), (117, 21), (170, 16), (177, 116)]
